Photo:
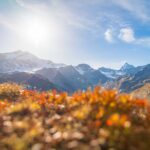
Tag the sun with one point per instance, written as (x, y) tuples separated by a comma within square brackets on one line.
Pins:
[(36, 30), (41, 31)]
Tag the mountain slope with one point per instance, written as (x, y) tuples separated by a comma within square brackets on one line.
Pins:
[(143, 92), (73, 78), (94, 76), (54, 76), (22, 61), (111, 73), (68, 78), (125, 70), (72, 75), (32, 81), (136, 81), (126, 67), (84, 68)]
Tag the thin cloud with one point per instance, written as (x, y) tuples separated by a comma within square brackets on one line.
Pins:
[(108, 35), (73, 15), (136, 7), (6, 22), (145, 41), (36, 7), (102, 20), (63, 12)]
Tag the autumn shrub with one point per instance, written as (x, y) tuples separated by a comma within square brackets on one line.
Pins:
[(98, 120), (10, 91)]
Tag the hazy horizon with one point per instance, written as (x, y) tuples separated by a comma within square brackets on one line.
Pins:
[(96, 32)]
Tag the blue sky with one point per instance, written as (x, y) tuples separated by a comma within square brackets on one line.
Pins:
[(98, 32)]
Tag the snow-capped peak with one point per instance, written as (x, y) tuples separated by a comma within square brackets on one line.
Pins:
[(126, 66), (23, 61), (83, 68)]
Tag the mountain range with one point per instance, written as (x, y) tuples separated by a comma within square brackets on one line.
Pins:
[(25, 68)]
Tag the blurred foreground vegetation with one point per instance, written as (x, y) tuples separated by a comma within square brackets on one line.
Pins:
[(98, 120)]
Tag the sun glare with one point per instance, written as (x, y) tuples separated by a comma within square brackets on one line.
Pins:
[(36, 30), (39, 30)]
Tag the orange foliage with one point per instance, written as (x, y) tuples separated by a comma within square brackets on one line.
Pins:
[(98, 119)]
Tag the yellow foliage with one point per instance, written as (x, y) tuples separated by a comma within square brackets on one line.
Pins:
[(10, 91), (98, 119)]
